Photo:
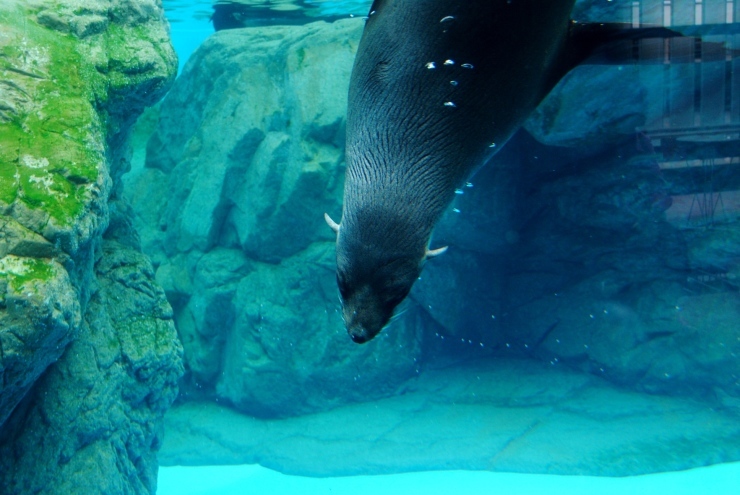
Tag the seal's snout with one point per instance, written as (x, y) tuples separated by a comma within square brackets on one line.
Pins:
[(362, 331), (371, 289), (358, 338), (364, 322)]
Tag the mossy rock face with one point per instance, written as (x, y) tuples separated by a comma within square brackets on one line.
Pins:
[(63, 100), (52, 160), (92, 423), (74, 76), (39, 311)]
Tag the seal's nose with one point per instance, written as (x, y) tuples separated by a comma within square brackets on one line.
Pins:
[(358, 338)]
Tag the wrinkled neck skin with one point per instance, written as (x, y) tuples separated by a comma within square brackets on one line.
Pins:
[(438, 86)]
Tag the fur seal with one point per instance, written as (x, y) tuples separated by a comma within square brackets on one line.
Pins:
[(437, 87)]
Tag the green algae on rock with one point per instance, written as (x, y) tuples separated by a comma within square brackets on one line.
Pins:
[(63, 100), (93, 422), (83, 396), (52, 158), (39, 310), (39, 313)]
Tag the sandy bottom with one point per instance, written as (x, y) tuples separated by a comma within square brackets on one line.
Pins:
[(719, 479)]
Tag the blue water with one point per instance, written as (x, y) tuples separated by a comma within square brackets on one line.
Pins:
[(720, 479), (190, 26)]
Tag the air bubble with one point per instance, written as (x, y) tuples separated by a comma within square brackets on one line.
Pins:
[(431, 65), (467, 66), (450, 104), (447, 18)]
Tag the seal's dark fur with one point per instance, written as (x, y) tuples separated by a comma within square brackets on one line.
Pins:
[(437, 87)]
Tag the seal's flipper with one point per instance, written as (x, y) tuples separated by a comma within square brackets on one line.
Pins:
[(605, 43), (613, 43), (621, 44)]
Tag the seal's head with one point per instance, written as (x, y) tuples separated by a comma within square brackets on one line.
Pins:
[(373, 280), (371, 294)]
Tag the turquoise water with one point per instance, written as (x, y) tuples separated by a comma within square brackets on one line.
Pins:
[(190, 19), (190, 26), (722, 479)]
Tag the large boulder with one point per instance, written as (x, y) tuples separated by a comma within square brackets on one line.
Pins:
[(39, 314), (246, 157), (251, 139), (93, 422), (89, 359), (603, 281)]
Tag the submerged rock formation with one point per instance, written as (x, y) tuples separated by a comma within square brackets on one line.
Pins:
[(561, 251), (89, 358), (248, 149)]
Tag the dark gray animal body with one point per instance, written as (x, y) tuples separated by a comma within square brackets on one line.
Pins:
[(438, 86)]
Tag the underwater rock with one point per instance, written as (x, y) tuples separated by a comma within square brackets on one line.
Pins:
[(246, 157), (93, 422), (74, 76), (289, 353), (602, 281), (609, 11), (252, 140), (269, 339), (462, 293), (39, 313)]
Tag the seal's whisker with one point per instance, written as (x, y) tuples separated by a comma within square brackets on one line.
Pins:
[(398, 314)]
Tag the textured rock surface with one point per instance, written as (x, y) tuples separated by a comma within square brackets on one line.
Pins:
[(507, 415), (92, 424), (558, 252), (579, 113), (601, 280), (87, 367), (249, 149), (255, 137), (38, 312)]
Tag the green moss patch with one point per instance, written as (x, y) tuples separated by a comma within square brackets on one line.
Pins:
[(26, 274), (51, 148)]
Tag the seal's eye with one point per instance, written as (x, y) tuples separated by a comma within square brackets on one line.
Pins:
[(342, 285)]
